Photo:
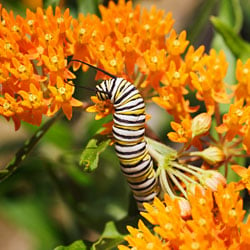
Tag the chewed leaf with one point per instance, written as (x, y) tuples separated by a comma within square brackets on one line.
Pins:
[(90, 156), (77, 245)]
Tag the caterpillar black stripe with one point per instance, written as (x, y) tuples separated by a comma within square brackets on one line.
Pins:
[(128, 132)]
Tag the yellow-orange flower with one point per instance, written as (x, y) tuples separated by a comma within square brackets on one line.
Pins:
[(182, 132), (34, 105), (242, 89), (175, 44), (233, 121), (61, 97), (10, 108), (244, 173)]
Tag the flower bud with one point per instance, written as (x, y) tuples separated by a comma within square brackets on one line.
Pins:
[(200, 124), (211, 155), (185, 207), (212, 179)]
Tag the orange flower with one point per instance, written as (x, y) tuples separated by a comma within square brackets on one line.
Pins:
[(113, 63), (34, 105), (22, 69), (242, 89), (10, 108), (176, 77), (244, 173), (182, 132), (155, 60), (208, 80), (193, 57), (173, 101), (175, 44), (233, 120), (61, 97), (230, 206)]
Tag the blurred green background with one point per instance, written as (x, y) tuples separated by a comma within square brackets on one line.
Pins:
[(50, 201)]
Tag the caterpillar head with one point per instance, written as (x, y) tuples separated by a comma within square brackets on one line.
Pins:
[(102, 92)]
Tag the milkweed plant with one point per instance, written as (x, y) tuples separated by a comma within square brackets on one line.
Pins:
[(200, 159)]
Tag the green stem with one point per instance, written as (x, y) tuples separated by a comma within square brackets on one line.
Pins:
[(22, 153)]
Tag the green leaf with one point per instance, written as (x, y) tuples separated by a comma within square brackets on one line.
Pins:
[(239, 47), (90, 156), (231, 14), (77, 245), (109, 239)]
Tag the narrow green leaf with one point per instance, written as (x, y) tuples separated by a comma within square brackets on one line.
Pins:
[(239, 47), (109, 239), (238, 14), (90, 156), (231, 14), (77, 245)]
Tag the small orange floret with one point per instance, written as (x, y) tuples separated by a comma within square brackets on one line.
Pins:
[(61, 97), (244, 173), (182, 132)]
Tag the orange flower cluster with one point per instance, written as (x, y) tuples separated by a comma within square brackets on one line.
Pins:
[(216, 222), (33, 53)]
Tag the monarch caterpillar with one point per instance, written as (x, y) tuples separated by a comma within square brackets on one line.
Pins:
[(128, 132)]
